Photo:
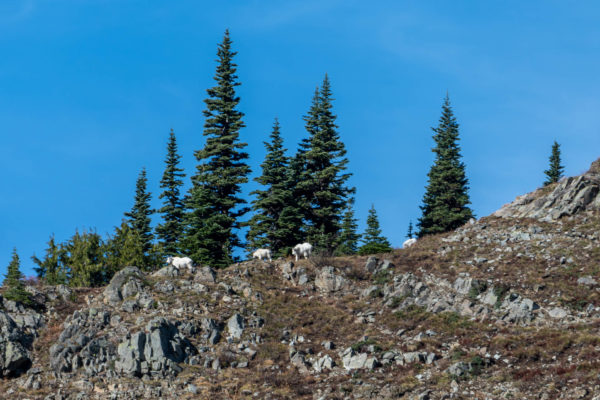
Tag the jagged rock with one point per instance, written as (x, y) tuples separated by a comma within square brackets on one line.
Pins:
[(298, 359), (126, 283), (14, 357), (458, 369), (205, 275), (570, 196), (235, 326), (79, 344), (328, 281), (352, 360), (371, 264), (520, 310), (154, 352), (167, 272), (323, 363), (212, 330)]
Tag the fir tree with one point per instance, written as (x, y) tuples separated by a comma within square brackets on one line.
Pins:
[(52, 268), (445, 203), (274, 223), (323, 180), (214, 201), (123, 249), (86, 260), (556, 169), (373, 241), (410, 233), (169, 233), (348, 236), (13, 282), (139, 216)]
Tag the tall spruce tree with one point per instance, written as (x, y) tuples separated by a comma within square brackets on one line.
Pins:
[(556, 169), (323, 183), (373, 241), (445, 203), (51, 269), (348, 240), (273, 223), (214, 202), (139, 216), (410, 234), (15, 288), (170, 232)]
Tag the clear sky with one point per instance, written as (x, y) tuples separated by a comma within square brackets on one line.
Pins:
[(89, 90)]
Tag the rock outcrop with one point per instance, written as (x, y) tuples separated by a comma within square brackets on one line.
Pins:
[(155, 351), (14, 357), (569, 196)]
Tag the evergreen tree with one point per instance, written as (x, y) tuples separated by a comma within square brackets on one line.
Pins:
[(86, 260), (214, 203), (13, 282), (373, 241), (275, 219), (348, 236), (123, 249), (169, 233), (52, 268), (139, 216), (445, 203), (410, 233), (323, 179), (556, 169)]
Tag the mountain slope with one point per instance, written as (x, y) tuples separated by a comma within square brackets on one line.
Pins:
[(506, 307)]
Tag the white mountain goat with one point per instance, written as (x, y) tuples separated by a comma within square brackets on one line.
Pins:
[(408, 243), (261, 254), (302, 250), (181, 262)]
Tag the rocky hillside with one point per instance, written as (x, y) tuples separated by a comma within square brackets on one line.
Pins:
[(506, 307)]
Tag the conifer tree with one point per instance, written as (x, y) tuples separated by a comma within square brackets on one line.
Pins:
[(373, 241), (169, 233), (555, 171), (348, 236), (445, 203), (123, 249), (323, 183), (214, 202), (139, 216), (85, 258), (52, 268), (273, 223), (410, 234), (15, 288)]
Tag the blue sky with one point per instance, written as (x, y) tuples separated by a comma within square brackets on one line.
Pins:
[(89, 90)]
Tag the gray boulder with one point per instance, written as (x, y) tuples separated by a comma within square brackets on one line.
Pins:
[(328, 281), (206, 275), (235, 326), (126, 283)]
